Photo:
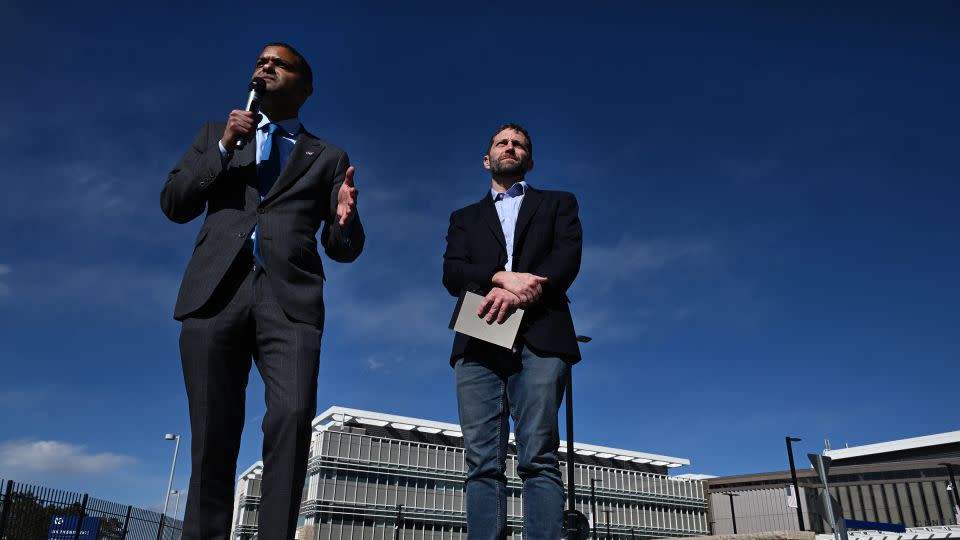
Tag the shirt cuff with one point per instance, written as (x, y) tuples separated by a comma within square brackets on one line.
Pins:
[(224, 155)]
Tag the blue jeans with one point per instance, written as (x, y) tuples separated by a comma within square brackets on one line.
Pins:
[(494, 384)]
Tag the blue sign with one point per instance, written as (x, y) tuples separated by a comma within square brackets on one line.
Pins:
[(875, 526), (65, 527)]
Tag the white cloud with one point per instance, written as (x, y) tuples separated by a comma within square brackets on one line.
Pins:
[(135, 289), (57, 457), (384, 362), (83, 191), (413, 314), (605, 325), (632, 260), (13, 394), (635, 287), (417, 316)]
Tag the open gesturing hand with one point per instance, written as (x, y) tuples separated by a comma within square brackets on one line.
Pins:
[(347, 199)]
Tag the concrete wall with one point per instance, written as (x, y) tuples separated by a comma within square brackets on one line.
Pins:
[(909, 502), (756, 511)]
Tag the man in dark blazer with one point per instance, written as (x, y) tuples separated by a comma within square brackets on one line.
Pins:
[(521, 247), (254, 290)]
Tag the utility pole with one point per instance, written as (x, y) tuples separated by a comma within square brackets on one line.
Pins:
[(796, 485), (953, 482), (593, 504), (396, 524), (733, 514)]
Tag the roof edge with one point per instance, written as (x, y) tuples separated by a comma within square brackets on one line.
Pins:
[(894, 446), (336, 414)]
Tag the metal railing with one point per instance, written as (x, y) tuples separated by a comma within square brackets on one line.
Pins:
[(29, 512)]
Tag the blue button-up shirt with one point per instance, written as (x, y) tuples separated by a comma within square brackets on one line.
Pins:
[(508, 208), (285, 137)]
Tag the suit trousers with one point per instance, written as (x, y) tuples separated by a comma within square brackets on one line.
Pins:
[(244, 322)]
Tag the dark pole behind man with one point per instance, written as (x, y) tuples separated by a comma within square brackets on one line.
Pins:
[(522, 247), (254, 289)]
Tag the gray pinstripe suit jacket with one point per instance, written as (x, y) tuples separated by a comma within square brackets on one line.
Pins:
[(304, 196)]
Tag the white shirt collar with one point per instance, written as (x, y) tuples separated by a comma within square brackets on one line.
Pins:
[(291, 125)]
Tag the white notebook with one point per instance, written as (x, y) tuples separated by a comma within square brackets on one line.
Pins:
[(466, 321)]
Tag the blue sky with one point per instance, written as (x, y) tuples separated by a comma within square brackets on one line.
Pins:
[(768, 193)]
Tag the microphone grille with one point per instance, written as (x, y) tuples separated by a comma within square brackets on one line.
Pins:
[(258, 85)]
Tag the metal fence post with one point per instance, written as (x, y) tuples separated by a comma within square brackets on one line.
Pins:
[(83, 510), (160, 527), (126, 520), (7, 503)]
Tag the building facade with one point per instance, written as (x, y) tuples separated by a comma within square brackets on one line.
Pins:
[(370, 472), (902, 482)]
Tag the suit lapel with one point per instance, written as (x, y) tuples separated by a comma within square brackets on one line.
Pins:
[(531, 201), (304, 153), (489, 213)]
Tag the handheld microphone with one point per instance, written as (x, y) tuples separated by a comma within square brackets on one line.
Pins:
[(257, 87)]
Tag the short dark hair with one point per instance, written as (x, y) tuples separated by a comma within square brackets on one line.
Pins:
[(305, 69), (517, 128)]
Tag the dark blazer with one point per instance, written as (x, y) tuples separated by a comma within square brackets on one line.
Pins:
[(548, 242), (303, 197)]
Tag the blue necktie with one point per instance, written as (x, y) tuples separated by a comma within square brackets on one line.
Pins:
[(267, 171)]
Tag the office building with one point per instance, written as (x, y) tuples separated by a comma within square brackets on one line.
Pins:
[(901, 482), (369, 472)]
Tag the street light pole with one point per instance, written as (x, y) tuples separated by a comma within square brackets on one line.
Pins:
[(607, 512), (176, 504), (396, 526), (593, 505), (733, 514), (173, 467), (953, 482), (793, 475), (574, 521)]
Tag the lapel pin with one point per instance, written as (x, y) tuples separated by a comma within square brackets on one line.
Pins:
[(309, 153)]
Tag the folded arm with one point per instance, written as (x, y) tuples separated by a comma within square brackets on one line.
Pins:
[(562, 264), (459, 270)]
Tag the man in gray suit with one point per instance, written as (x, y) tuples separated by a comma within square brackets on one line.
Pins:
[(254, 289)]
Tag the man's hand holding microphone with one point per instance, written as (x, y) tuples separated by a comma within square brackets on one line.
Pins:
[(241, 126)]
